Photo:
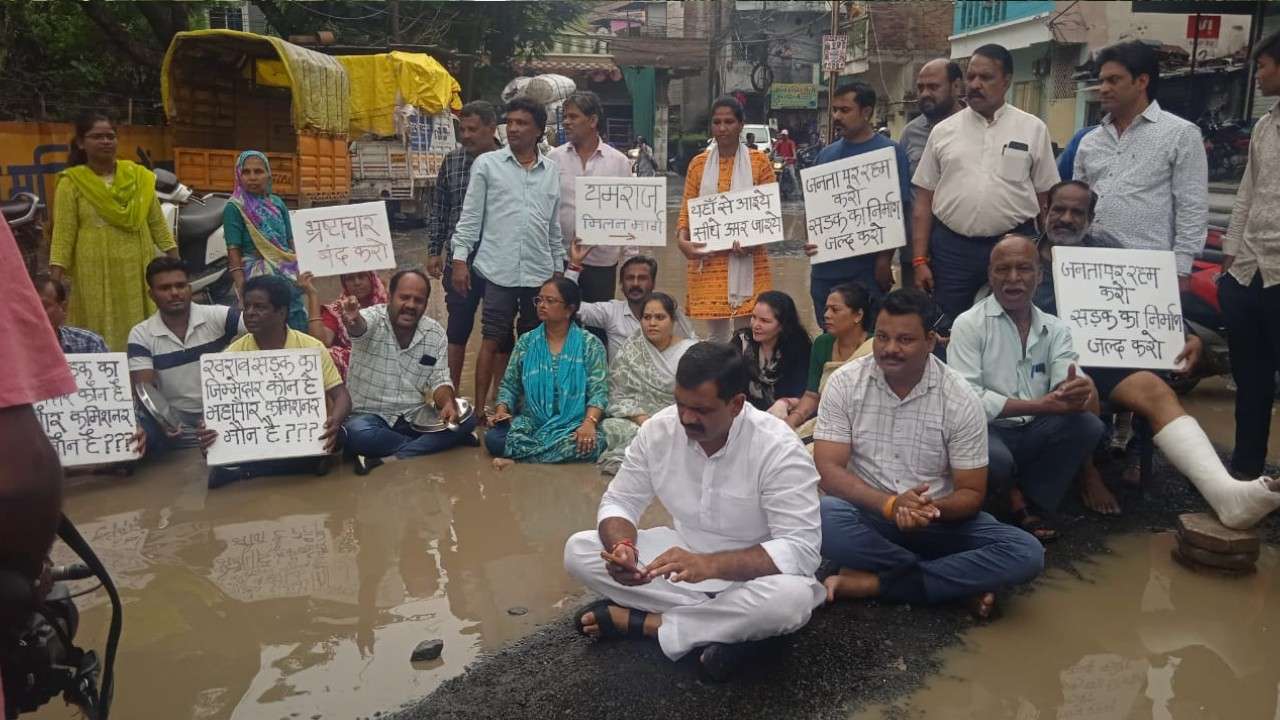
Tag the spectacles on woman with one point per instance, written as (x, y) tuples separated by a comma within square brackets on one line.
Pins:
[(542, 300)]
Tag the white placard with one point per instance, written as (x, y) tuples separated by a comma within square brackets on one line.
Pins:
[(751, 217), (852, 206), (1123, 306), (95, 424), (266, 404), (343, 239), (621, 211)]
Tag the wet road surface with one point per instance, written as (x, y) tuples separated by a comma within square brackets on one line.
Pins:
[(303, 597)]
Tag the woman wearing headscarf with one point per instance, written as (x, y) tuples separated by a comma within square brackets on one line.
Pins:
[(723, 285), (107, 225), (259, 237), (555, 390), (642, 377), (325, 321)]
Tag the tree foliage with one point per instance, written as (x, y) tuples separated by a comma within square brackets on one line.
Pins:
[(62, 56)]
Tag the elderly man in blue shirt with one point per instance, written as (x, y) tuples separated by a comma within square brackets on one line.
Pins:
[(1041, 410), (510, 213)]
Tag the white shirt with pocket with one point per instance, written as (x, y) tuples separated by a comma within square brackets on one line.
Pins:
[(985, 175)]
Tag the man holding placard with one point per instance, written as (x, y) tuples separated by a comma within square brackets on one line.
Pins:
[(1178, 435), (852, 209), (586, 155), (266, 314), (620, 319), (509, 214), (1041, 410), (984, 173), (397, 358)]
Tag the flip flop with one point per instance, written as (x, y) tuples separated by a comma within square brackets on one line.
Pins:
[(1035, 525), (604, 620)]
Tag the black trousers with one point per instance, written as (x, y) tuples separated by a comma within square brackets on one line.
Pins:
[(598, 283), (1252, 315)]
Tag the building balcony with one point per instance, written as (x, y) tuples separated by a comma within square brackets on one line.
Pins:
[(974, 15)]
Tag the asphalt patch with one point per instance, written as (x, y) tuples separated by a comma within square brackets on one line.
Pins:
[(850, 654)]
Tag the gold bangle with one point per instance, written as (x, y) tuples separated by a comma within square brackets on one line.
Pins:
[(311, 320)]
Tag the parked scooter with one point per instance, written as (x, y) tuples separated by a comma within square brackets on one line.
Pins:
[(23, 212), (1226, 147), (196, 224)]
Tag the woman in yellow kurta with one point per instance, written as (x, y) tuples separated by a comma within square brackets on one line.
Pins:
[(718, 286), (107, 225)]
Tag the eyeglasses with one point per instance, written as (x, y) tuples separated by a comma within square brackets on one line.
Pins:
[(96, 137), (540, 300)]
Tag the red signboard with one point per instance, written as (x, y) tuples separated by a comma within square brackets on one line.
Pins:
[(1208, 27)]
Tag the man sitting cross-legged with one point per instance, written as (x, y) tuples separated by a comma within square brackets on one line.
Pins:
[(398, 355), (901, 444), (1042, 409), (1177, 434), (743, 494)]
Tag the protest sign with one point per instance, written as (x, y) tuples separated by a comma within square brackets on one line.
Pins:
[(343, 239), (265, 404), (621, 211), (751, 217), (96, 423), (1122, 306), (852, 207)]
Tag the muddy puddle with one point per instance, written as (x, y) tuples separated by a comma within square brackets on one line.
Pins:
[(1137, 636)]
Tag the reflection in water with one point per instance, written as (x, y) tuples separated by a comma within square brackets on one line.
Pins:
[(1141, 638)]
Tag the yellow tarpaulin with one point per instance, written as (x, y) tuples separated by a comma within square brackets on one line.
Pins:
[(380, 82), (318, 83)]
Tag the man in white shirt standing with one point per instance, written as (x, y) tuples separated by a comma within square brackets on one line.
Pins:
[(984, 173), (620, 319), (901, 444), (1147, 166), (587, 155), (743, 494)]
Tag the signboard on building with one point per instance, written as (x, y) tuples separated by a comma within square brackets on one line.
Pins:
[(835, 50), (793, 96), (1207, 27)]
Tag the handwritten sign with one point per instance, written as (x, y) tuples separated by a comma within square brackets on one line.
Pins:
[(852, 206), (1122, 305), (343, 239), (621, 211), (265, 404), (95, 424), (751, 217)]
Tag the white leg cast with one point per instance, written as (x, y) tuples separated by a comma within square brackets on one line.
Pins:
[(761, 608), (1239, 504)]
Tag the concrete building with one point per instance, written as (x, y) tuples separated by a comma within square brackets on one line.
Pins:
[(888, 44)]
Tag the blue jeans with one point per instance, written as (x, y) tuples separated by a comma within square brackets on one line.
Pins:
[(495, 439), (158, 441), (371, 436), (1042, 457), (820, 288), (943, 561)]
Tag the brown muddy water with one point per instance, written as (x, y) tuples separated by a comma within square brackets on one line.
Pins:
[(303, 597), (1136, 636)]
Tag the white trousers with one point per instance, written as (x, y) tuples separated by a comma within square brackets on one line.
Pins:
[(753, 610)]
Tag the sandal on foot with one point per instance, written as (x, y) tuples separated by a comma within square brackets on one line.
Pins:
[(604, 620), (1035, 525), (721, 661)]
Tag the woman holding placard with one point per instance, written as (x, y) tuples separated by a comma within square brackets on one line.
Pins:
[(259, 237), (555, 390), (723, 285)]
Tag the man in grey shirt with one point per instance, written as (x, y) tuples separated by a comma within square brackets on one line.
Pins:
[(940, 85)]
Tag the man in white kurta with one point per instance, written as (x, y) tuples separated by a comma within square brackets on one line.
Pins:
[(742, 491)]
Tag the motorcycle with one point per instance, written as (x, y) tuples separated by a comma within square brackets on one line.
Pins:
[(1202, 314), (1226, 147), (24, 212), (788, 185), (196, 223)]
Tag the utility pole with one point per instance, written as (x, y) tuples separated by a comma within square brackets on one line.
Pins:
[(831, 78), (713, 65)]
